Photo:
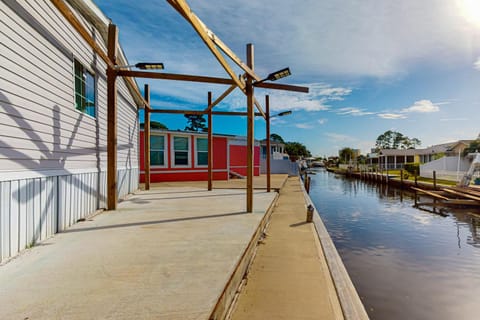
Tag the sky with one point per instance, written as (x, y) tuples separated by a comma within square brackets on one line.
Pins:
[(371, 66)]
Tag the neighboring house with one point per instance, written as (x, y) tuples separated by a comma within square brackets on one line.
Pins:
[(396, 158), (53, 122), (277, 150), (183, 156)]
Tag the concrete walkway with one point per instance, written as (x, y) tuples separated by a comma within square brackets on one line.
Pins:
[(289, 278), (164, 254)]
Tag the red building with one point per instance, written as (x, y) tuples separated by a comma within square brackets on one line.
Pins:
[(183, 156)]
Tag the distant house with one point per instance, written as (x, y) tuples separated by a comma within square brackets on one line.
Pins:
[(277, 150), (53, 122), (396, 158), (183, 156)]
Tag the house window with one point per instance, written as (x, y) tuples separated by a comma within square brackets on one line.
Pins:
[(157, 150), (202, 152), (84, 90), (181, 151)]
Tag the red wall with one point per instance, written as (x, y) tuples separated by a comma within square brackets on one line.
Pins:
[(238, 159)]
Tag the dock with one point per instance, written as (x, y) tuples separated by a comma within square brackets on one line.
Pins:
[(179, 251)]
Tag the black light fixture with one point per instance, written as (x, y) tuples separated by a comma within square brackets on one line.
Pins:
[(284, 113), (274, 76), (144, 66)]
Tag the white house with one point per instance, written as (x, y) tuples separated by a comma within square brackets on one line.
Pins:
[(53, 122)]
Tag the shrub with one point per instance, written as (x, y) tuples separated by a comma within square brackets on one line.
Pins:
[(413, 168)]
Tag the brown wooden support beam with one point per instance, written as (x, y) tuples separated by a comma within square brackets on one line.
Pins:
[(279, 86), (198, 112), (250, 129), (172, 76), (210, 144), (86, 35), (146, 133), (267, 111), (112, 120), (219, 99)]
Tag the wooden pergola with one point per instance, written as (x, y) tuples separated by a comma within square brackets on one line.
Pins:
[(245, 83)]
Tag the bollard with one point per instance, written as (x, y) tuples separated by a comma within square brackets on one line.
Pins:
[(307, 186), (310, 210)]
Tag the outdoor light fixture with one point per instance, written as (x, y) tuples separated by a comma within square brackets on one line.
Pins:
[(284, 113), (144, 66), (274, 76)]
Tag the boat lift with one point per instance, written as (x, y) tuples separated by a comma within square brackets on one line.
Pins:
[(474, 168)]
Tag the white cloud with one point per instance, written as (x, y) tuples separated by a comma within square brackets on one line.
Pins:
[(356, 112), (454, 119), (392, 116), (476, 65), (322, 121), (422, 106), (304, 126), (338, 137)]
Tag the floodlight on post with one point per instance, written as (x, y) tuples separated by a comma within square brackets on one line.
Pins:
[(144, 66), (274, 76)]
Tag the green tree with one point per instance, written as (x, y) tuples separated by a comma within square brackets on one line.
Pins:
[(155, 125), (276, 138), (195, 122), (396, 140), (346, 155), (474, 146), (297, 149)]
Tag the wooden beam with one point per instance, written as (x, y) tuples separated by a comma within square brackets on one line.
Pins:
[(219, 99), (146, 133), (182, 7), (171, 76), (112, 120), (432, 194), (85, 34), (267, 110), (279, 86), (197, 112), (250, 129), (210, 144), (259, 107), (461, 194)]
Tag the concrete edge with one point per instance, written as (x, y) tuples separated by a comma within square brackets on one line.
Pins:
[(225, 300), (352, 306)]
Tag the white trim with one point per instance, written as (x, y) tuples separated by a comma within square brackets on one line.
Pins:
[(172, 151), (195, 153), (165, 150), (28, 174)]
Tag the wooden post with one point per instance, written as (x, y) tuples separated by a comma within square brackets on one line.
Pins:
[(267, 120), (308, 184), (146, 137), (112, 120), (416, 182), (250, 128), (401, 178), (434, 180), (210, 144)]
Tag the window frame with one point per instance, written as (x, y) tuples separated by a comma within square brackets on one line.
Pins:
[(165, 151), (197, 151), (189, 151), (83, 94)]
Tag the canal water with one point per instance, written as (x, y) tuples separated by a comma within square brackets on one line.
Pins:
[(406, 263)]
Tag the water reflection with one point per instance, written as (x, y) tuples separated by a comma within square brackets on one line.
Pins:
[(406, 262)]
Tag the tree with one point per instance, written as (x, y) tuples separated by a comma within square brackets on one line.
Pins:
[(276, 138), (297, 149), (346, 155), (396, 140), (155, 125), (474, 146), (195, 122)]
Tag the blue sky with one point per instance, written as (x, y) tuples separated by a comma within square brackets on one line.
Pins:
[(371, 66)]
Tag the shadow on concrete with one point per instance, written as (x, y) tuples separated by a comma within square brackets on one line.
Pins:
[(136, 224)]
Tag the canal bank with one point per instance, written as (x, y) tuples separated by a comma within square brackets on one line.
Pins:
[(405, 263)]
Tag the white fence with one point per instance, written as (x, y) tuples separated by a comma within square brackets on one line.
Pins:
[(279, 166), (447, 168), (35, 208)]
